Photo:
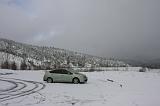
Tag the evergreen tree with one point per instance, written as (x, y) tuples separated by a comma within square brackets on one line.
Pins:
[(23, 65), (5, 65), (13, 66)]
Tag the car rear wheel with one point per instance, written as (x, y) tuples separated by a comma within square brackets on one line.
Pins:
[(49, 80), (75, 81)]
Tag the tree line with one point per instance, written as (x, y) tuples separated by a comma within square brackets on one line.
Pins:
[(24, 66), (13, 65)]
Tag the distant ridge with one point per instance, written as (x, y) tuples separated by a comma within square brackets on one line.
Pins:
[(43, 57)]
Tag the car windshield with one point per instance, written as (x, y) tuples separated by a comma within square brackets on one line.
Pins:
[(73, 71)]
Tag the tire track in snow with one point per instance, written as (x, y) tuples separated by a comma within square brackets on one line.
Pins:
[(11, 88), (21, 88)]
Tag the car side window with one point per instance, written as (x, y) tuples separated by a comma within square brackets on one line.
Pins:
[(51, 71), (60, 71), (57, 71), (67, 72), (64, 72), (54, 71)]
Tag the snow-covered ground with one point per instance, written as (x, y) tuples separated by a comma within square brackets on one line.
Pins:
[(109, 88)]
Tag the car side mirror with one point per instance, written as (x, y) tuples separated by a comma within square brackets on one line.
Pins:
[(70, 73)]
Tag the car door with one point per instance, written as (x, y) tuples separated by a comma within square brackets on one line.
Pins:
[(56, 75), (66, 76)]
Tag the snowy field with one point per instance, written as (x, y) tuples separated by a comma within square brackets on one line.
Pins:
[(109, 88)]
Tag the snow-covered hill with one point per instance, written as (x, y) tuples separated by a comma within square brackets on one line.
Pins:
[(36, 57)]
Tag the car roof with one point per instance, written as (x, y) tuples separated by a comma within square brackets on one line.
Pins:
[(59, 69)]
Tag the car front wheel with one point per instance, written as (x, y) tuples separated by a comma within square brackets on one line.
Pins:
[(49, 80), (76, 81)]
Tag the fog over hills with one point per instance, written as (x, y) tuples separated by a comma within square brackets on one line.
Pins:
[(144, 62)]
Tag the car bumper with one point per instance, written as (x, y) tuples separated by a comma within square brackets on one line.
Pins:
[(85, 80)]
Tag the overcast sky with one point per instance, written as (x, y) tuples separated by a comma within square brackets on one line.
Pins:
[(109, 28)]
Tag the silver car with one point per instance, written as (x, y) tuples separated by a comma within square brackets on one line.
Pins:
[(63, 75)]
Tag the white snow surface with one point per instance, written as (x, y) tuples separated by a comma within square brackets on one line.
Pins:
[(108, 88)]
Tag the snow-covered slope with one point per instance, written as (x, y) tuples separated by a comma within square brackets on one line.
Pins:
[(49, 57), (107, 88)]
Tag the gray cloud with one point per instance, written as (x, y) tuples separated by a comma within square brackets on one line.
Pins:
[(109, 28)]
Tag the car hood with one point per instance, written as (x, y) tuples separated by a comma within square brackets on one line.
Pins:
[(80, 74)]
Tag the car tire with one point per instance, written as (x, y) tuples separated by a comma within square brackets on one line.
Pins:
[(49, 80), (75, 80)]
